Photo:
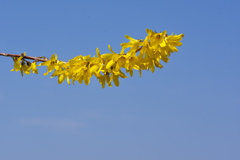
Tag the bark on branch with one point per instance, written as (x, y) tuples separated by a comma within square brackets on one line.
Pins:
[(38, 59)]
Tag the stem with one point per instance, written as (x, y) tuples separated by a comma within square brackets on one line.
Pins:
[(25, 57), (139, 49), (37, 59)]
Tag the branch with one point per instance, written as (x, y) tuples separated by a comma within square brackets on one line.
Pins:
[(137, 54), (37, 59)]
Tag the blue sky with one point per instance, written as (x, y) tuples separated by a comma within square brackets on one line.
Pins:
[(187, 110)]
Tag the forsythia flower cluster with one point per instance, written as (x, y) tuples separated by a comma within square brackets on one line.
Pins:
[(137, 54), (24, 66)]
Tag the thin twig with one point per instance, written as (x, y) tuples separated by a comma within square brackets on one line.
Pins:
[(139, 49), (44, 59)]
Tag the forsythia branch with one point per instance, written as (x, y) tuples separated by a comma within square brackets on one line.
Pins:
[(141, 54), (37, 59)]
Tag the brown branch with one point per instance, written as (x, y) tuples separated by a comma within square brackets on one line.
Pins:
[(139, 49), (44, 59), (37, 59)]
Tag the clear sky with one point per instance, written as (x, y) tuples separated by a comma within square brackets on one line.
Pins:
[(189, 110)]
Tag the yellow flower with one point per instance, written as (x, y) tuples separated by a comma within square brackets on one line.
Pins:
[(137, 54), (52, 63), (34, 68), (173, 41), (133, 44), (17, 63), (117, 61), (25, 67)]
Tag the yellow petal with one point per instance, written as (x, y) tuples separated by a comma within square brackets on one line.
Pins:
[(68, 80), (157, 64), (151, 66), (115, 80), (61, 78), (107, 56), (121, 62), (110, 48), (45, 74), (86, 77), (98, 52), (131, 72), (109, 64), (94, 68)]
